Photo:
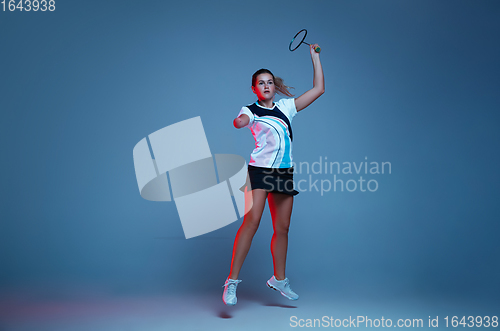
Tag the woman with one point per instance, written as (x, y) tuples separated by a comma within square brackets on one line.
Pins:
[(270, 171)]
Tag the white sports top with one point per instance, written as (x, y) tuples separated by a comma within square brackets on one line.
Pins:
[(272, 131)]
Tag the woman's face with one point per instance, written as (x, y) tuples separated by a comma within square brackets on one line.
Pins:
[(264, 87)]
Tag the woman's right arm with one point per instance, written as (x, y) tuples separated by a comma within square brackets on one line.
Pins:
[(241, 121)]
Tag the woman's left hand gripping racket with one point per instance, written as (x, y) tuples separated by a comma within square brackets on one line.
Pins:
[(298, 40)]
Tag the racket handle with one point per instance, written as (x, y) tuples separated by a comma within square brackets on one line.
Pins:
[(317, 49)]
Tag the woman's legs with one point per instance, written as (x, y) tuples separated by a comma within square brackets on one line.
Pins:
[(247, 230), (280, 205)]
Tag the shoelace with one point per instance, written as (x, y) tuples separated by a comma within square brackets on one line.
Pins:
[(231, 285), (231, 289), (285, 282), (287, 285)]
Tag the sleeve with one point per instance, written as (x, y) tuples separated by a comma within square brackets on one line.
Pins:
[(246, 111), (287, 106)]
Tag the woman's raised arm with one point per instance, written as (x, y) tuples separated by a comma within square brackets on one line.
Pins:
[(318, 83)]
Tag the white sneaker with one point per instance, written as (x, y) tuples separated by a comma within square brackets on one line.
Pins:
[(229, 295), (283, 286)]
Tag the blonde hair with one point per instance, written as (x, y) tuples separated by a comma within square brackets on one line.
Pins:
[(281, 88)]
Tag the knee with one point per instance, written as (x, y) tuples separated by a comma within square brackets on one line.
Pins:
[(251, 223), (281, 229)]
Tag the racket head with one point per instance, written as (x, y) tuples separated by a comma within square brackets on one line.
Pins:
[(297, 40)]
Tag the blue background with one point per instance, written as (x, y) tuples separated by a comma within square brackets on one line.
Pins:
[(413, 83)]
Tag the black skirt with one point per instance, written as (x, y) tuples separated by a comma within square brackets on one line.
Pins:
[(271, 179)]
